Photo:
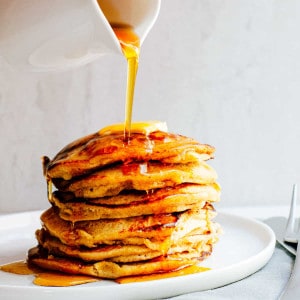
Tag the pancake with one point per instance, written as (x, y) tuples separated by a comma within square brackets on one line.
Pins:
[(134, 230), (134, 203), (144, 176), (117, 252), (109, 269), (103, 231), (96, 151), (192, 244)]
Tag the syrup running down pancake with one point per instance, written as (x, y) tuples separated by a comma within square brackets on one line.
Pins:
[(128, 207), (99, 150)]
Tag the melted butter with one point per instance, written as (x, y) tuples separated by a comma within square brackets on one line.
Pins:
[(185, 271), (130, 44), (136, 127)]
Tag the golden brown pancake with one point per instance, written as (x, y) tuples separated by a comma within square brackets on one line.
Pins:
[(134, 230), (109, 269), (192, 244), (117, 252), (104, 231), (145, 176), (135, 203), (95, 151)]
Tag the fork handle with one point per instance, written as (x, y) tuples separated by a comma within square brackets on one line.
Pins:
[(292, 289)]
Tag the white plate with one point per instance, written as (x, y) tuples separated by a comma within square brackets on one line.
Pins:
[(245, 247)]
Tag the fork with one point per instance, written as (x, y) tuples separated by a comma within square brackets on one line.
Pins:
[(292, 235)]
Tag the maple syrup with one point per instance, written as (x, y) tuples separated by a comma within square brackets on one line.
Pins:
[(46, 278), (57, 279), (130, 44), (17, 267), (61, 280), (184, 271)]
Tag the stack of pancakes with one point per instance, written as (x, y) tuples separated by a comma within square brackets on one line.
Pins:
[(124, 208)]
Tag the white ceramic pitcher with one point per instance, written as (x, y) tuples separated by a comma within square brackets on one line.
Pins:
[(45, 35)]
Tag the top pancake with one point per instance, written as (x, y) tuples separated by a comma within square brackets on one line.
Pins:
[(96, 151)]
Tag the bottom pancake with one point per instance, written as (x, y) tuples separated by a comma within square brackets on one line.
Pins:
[(108, 269)]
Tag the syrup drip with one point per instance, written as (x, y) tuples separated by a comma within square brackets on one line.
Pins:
[(49, 189), (130, 44)]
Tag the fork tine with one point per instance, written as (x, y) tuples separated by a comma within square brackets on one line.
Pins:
[(290, 227), (292, 289)]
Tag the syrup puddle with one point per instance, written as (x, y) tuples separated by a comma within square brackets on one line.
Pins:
[(56, 279), (46, 278)]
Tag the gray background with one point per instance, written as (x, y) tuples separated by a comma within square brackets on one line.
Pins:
[(223, 72)]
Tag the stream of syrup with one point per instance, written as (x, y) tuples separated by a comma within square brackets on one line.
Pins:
[(130, 44)]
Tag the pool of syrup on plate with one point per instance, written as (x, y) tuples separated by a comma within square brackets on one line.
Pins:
[(57, 279)]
